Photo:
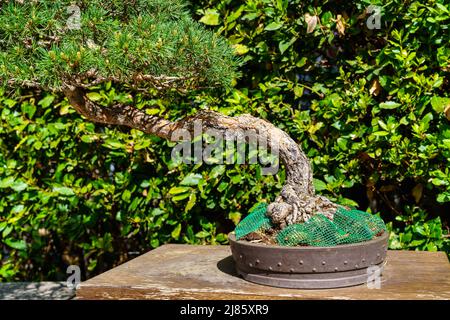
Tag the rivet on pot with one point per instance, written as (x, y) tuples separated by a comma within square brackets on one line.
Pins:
[(363, 260), (314, 270), (250, 265), (323, 262), (356, 266), (279, 264), (292, 270), (345, 262), (270, 268), (301, 261), (336, 269), (257, 261)]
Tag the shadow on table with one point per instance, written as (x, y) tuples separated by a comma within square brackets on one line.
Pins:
[(226, 265)]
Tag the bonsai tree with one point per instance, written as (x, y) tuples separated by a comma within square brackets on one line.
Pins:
[(69, 47)]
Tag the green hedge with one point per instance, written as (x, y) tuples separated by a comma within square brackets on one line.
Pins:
[(364, 104)]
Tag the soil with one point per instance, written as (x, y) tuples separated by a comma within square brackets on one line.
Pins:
[(260, 237)]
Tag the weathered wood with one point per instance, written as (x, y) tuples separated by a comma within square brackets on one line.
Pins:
[(207, 272)]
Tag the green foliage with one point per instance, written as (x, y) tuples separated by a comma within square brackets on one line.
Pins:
[(72, 192), (52, 44), (367, 106), (419, 233), (370, 107)]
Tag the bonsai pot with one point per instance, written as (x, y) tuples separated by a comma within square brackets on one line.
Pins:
[(308, 267)]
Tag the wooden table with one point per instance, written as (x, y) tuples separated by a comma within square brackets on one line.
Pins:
[(207, 272)]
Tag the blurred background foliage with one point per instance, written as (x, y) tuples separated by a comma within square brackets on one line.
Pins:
[(370, 107)]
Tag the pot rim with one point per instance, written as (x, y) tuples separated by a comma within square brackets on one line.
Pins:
[(381, 238)]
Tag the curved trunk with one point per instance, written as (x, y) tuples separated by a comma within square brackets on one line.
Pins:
[(297, 201)]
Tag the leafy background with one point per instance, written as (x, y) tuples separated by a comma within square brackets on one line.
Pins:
[(370, 108)]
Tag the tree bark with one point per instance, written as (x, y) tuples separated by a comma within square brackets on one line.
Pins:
[(297, 201)]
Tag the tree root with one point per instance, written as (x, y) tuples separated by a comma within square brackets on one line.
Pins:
[(292, 207)]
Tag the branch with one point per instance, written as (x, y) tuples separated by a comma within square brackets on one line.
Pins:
[(298, 169), (161, 82), (117, 114), (25, 83), (297, 201)]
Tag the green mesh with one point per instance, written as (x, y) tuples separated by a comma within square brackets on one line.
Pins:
[(255, 221), (357, 226), (318, 231), (348, 226)]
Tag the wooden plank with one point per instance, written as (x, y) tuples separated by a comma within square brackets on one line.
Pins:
[(207, 272)]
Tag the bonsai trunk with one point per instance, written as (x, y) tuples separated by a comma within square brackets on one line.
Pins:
[(297, 201)]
